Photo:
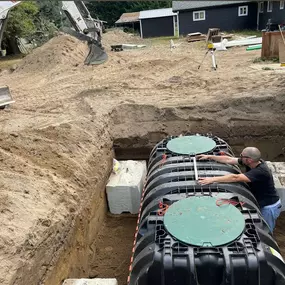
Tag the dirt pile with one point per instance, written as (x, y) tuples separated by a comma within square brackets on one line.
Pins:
[(117, 37), (62, 50)]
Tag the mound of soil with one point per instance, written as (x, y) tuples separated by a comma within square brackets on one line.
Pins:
[(116, 37), (62, 50)]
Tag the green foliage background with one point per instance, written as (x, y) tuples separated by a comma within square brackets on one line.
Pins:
[(39, 20)]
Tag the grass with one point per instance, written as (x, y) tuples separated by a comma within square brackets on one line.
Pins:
[(163, 39), (246, 33), (264, 60)]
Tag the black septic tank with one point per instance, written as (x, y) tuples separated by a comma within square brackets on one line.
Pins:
[(189, 234)]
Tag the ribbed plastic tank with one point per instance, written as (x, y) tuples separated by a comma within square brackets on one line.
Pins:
[(189, 234)]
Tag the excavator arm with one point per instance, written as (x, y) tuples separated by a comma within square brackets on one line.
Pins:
[(84, 27)]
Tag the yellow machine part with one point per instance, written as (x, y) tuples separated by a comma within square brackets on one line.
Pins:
[(210, 45)]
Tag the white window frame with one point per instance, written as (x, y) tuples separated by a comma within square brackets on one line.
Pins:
[(242, 14), (282, 5), (269, 3), (261, 4), (198, 12)]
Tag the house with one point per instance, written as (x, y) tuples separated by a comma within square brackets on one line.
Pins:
[(129, 20), (157, 23), (199, 16), (274, 10), (150, 23)]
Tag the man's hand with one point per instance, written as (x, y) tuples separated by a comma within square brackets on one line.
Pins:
[(206, 180), (202, 156)]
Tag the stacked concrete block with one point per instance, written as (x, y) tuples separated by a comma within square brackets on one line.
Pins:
[(124, 188), (96, 281), (278, 172)]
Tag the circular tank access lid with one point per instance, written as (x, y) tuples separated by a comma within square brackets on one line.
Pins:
[(199, 221), (191, 145)]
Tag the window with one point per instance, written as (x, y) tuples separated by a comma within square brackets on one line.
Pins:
[(269, 6), (199, 15), (242, 10), (281, 5), (261, 7)]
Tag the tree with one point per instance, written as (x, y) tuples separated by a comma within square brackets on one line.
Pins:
[(33, 20), (50, 10), (20, 24), (48, 20)]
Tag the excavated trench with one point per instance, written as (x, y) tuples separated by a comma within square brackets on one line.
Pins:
[(135, 130), (112, 248)]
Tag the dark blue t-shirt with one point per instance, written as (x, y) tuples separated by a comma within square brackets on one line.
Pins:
[(261, 183)]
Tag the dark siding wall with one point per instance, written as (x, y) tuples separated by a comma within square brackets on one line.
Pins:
[(157, 27), (226, 18), (276, 15)]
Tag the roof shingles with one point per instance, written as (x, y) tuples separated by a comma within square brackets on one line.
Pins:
[(191, 5), (128, 18)]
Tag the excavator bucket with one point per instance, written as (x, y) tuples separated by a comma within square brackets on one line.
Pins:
[(5, 97), (96, 55)]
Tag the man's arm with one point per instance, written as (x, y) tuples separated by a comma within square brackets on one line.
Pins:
[(219, 158), (225, 178)]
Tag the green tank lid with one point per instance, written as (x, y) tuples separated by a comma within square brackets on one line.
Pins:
[(191, 145), (199, 221)]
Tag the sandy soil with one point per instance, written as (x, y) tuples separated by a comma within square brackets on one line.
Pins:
[(56, 139), (279, 233), (112, 249)]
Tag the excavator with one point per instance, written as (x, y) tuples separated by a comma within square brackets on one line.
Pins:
[(85, 28)]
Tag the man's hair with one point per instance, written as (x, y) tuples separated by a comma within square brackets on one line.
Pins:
[(252, 152)]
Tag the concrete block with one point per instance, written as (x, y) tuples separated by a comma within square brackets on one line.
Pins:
[(96, 281), (275, 174), (278, 173), (281, 193), (279, 167), (124, 189)]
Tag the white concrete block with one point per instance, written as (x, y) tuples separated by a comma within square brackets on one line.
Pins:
[(96, 281), (278, 173), (275, 174), (124, 189), (279, 167)]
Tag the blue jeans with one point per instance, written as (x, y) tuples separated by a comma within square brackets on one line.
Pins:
[(270, 214)]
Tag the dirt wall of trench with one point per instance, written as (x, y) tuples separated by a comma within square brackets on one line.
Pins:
[(241, 122), (52, 200)]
